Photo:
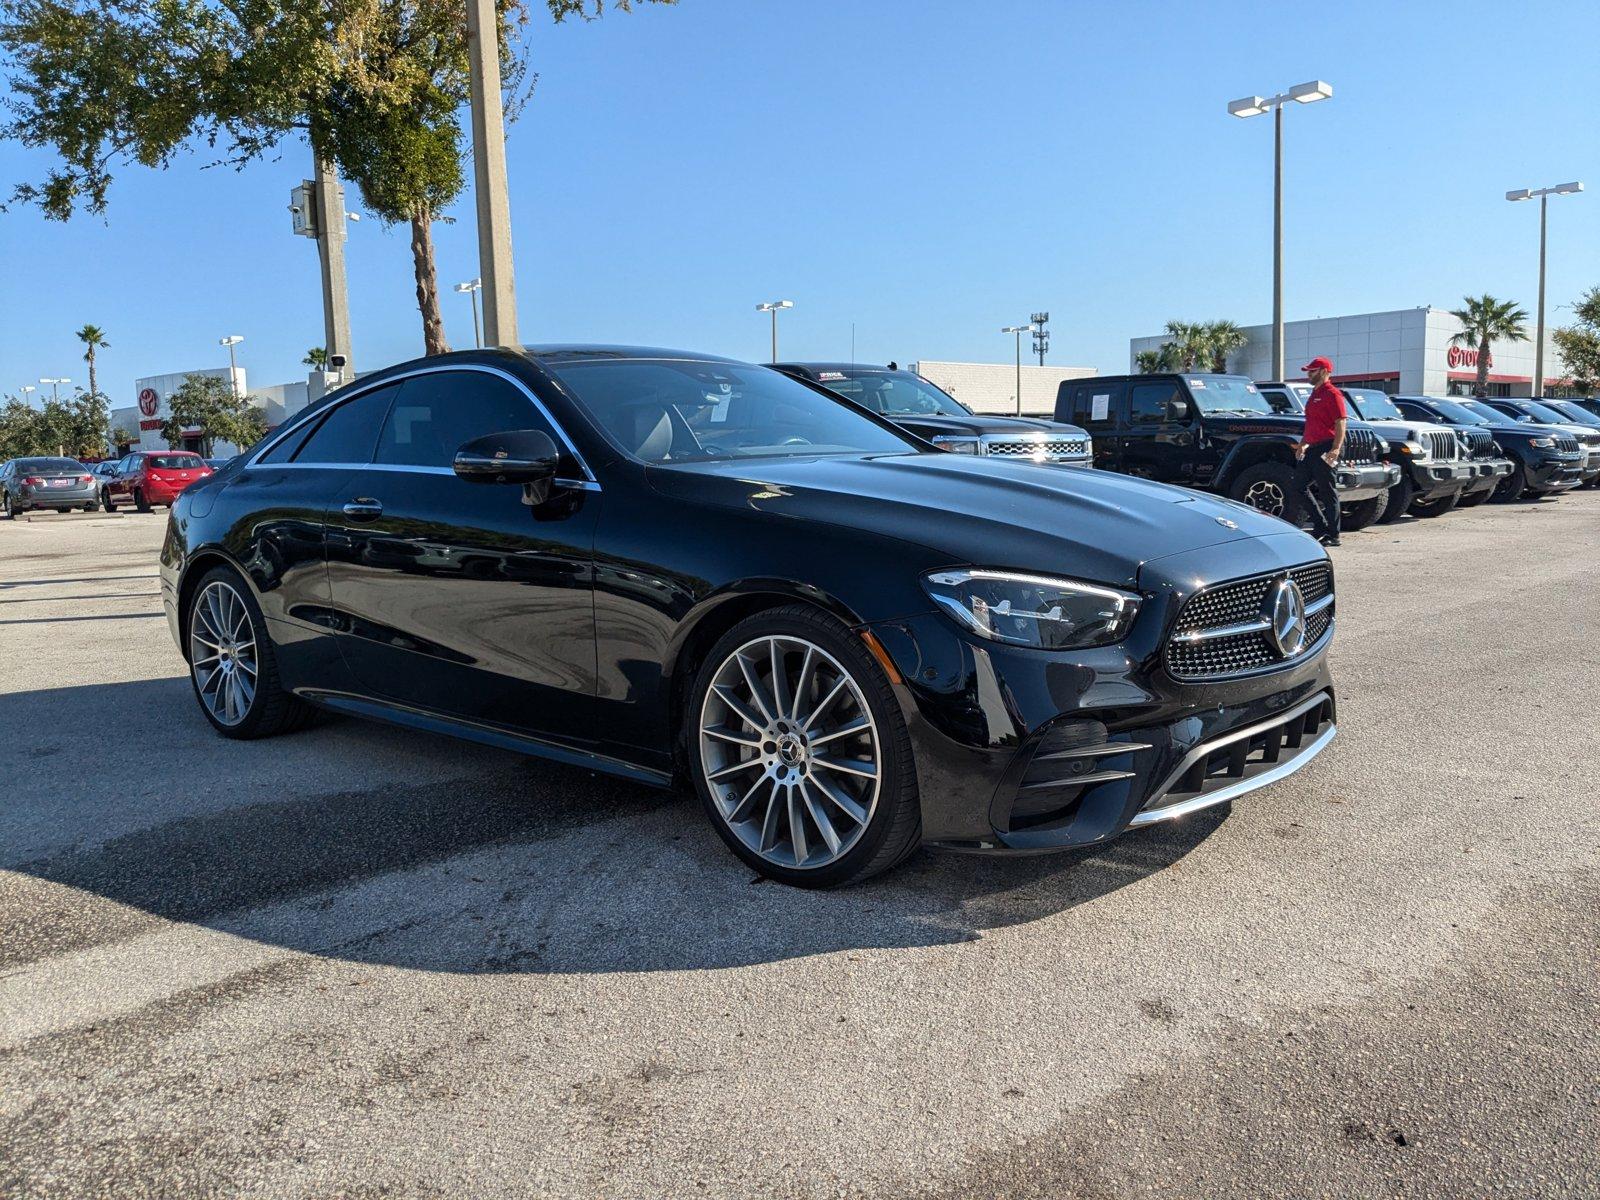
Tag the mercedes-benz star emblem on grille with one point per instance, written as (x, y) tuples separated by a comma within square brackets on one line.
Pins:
[(1287, 613), (1225, 523)]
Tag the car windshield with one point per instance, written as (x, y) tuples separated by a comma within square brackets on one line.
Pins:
[(1573, 412), (174, 462), (1488, 414), (1227, 395), (1543, 415), (1373, 405), (892, 393), (50, 465), (662, 410)]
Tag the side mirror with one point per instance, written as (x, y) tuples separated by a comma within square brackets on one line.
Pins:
[(525, 456)]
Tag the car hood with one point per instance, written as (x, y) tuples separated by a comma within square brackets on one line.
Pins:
[(1402, 430), (979, 423), (1092, 525)]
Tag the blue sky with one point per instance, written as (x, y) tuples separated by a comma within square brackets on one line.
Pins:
[(928, 170)]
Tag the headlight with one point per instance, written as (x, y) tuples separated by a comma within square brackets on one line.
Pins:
[(1543, 443), (1383, 446), (1088, 446), (1416, 450), (1033, 610), (957, 445)]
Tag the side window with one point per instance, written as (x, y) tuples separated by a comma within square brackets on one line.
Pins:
[(285, 450), (1156, 404), (349, 432), (1094, 405), (438, 412)]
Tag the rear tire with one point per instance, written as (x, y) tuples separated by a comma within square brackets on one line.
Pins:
[(1266, 487), (140, 501), (1363, 513), (233, 666), (7, 513), (782, 771), (1400, 497), (1436, 508)]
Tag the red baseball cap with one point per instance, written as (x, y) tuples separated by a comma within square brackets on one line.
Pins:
[(1319, 363)]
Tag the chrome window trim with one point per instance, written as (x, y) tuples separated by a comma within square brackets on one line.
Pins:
[(587, 483)]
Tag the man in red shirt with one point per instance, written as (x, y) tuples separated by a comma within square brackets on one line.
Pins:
[(1319, 450)]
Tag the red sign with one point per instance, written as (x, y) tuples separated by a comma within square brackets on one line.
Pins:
[(149, 424), (148, 401), (1460, 356)]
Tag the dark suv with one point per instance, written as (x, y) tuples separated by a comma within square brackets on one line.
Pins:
[(1217, 432), (1536, 412), (1435, 465), (919, 407), (1545, 461)]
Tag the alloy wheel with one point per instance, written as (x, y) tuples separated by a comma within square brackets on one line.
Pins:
[(790, 752), (1267, 496), (222, 647)]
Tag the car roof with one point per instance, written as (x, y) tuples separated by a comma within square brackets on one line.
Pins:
[(843, 366), (590, 351)]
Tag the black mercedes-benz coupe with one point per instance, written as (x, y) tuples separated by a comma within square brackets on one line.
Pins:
[(669, 565)]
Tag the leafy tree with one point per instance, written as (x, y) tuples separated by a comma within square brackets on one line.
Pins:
[(316, 357), (21, 431), (209, 403), (1579, 343), (94, 339), (1485, 320), (375, 86), (119, 438), (74, 427)]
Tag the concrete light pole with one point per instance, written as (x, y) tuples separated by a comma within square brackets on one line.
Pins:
[(55, 387), (472, 287), (1019, 330), (489, 176), (772, 306), (1544, 194), (1255, 106), (26, 388), (230, 342)]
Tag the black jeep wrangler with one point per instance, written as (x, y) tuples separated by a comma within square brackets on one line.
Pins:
[(919, 407), (1217, 432)]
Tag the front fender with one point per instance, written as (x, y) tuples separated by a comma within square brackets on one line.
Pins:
[(1246, 452)]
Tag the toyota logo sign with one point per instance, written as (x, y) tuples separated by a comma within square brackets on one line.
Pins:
[(148, 401)]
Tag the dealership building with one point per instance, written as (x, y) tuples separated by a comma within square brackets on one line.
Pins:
[(144, 418), (1407, 351)]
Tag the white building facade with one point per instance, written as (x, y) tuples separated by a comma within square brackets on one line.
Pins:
[(144, 418), (1407, 351), (992, 387)]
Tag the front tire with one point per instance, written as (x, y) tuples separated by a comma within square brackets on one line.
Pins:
[(1400, 497), (1473, 499), (799, 752), (1363, 513), (233, 667), (1268, 487), (1511, 487), (1436, 508)]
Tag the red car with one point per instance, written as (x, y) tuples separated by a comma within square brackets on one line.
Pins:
[(151, 477)]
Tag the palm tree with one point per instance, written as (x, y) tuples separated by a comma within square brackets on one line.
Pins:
[(1148, 362), (1484, 320), (1189, 344), (1222, 339), (94, 338), (316, 357)]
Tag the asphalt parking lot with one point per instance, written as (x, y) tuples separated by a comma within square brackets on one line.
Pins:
[(363, 962)]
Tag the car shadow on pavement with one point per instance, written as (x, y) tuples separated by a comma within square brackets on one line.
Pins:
[(473, 860)]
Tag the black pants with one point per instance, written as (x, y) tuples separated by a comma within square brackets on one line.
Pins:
[(1317, 493)]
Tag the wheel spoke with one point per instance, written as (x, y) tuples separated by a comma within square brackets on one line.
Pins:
[(746, 802), (769, 823), (797, 827), (780, 685), (732, 769), (820, 819), (821, 708), (723, 734), (848, 766), (246, 690), (802, 687), (740, 708), (757, 692), (840, 800), (859, 725)]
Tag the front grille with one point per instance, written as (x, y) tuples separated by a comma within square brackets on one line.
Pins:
[(1566, 443), (1028, 447), (1197, 651), (1442, 444), (1360, 446), (1478, 443)]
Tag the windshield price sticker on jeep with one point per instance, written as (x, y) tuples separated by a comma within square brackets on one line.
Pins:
[(1100, 407)]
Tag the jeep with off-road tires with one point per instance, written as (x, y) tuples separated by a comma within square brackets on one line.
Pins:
[(1218, 433), (1437, 464)]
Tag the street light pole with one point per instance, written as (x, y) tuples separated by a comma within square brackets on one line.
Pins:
[(1255, 106), (1019, 330), (472, 287), (1544, 194), (230, 342), (489, 175), (55, 387), (773, 306)]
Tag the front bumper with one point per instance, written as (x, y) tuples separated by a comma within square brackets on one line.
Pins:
[(1021, 750), (1363, 481), (1487, 474), (1556, 474)]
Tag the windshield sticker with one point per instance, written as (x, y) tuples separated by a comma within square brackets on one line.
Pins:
[(1250, 387), (1198, 384), (1100, 407), (830, 374)]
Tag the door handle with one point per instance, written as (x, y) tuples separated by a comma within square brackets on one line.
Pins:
[(363, 508)]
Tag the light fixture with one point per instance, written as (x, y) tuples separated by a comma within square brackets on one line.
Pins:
[(1310, 93), (1249, 106)]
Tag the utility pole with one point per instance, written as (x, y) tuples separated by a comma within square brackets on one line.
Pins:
[(489, 176), (335, 285), (1041, 335)]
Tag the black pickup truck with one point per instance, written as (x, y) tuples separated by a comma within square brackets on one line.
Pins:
[(1217, 432), (919, 407)]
